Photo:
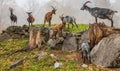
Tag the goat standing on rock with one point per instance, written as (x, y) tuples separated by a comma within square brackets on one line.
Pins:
[(97, 12), (30, 18), (57, 29), (48, 16), (85, 52), (12, 16)]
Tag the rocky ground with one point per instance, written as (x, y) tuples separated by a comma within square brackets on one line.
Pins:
[(61, 56)]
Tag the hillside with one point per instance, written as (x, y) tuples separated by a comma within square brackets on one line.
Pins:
[(70, 61)]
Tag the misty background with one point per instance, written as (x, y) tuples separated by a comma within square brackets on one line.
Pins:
[(66, 7)]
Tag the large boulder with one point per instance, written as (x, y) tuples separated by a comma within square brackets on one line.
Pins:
[(107, 52), (69, 44)]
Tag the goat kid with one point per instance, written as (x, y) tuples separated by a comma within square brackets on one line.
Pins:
[(13, 17), (69, 20), (57, 29), (30, 18), (85, 52), (97, 12), (48, 16)]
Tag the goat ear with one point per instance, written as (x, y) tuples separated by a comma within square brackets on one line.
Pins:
[(10, 8)]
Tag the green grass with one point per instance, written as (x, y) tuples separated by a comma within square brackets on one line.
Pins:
[(81, 27), (44, 64)]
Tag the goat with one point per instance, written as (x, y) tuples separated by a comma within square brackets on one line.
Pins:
[(30, 18), (69, 20), (48, 16), (97, 12), (85, 52), (13, 17), (57, 29)]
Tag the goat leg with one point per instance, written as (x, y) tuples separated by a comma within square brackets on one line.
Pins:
[(112, 23), (96, 19), (84, 59), (76, 24), (49, 23), (72, 25), (89, 58), (68, 25), (44, 22), (29, 24)]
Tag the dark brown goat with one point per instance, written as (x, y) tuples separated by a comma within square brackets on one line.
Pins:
[(13, 17), (30, 18), (48, 16), (97, 31)]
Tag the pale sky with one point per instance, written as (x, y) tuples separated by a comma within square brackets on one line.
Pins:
[(22, 3), (112, 1)]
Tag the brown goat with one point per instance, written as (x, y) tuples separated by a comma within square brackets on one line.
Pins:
[(30, 18), (57, 29), (48, 16), (99, 30)]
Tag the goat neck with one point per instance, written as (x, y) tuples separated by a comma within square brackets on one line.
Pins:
[(88, 9), (30, 15), (11, 12)]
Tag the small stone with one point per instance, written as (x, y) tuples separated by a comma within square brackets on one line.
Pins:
[(53, 56), (57, 64), (84, 65)]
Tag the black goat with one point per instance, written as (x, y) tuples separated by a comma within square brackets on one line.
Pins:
[(69, 20), (12, 16), (97, 12)]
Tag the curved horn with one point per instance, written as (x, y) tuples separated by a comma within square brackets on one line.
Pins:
[(87, 2), (53, 7)]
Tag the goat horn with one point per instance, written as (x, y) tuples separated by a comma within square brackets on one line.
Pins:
[(87, 2), (53, 7)]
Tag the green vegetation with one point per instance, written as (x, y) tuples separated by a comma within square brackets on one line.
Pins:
[(81, 27), (46, 63)]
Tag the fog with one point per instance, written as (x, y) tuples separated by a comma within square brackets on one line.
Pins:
[(66, 7)]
